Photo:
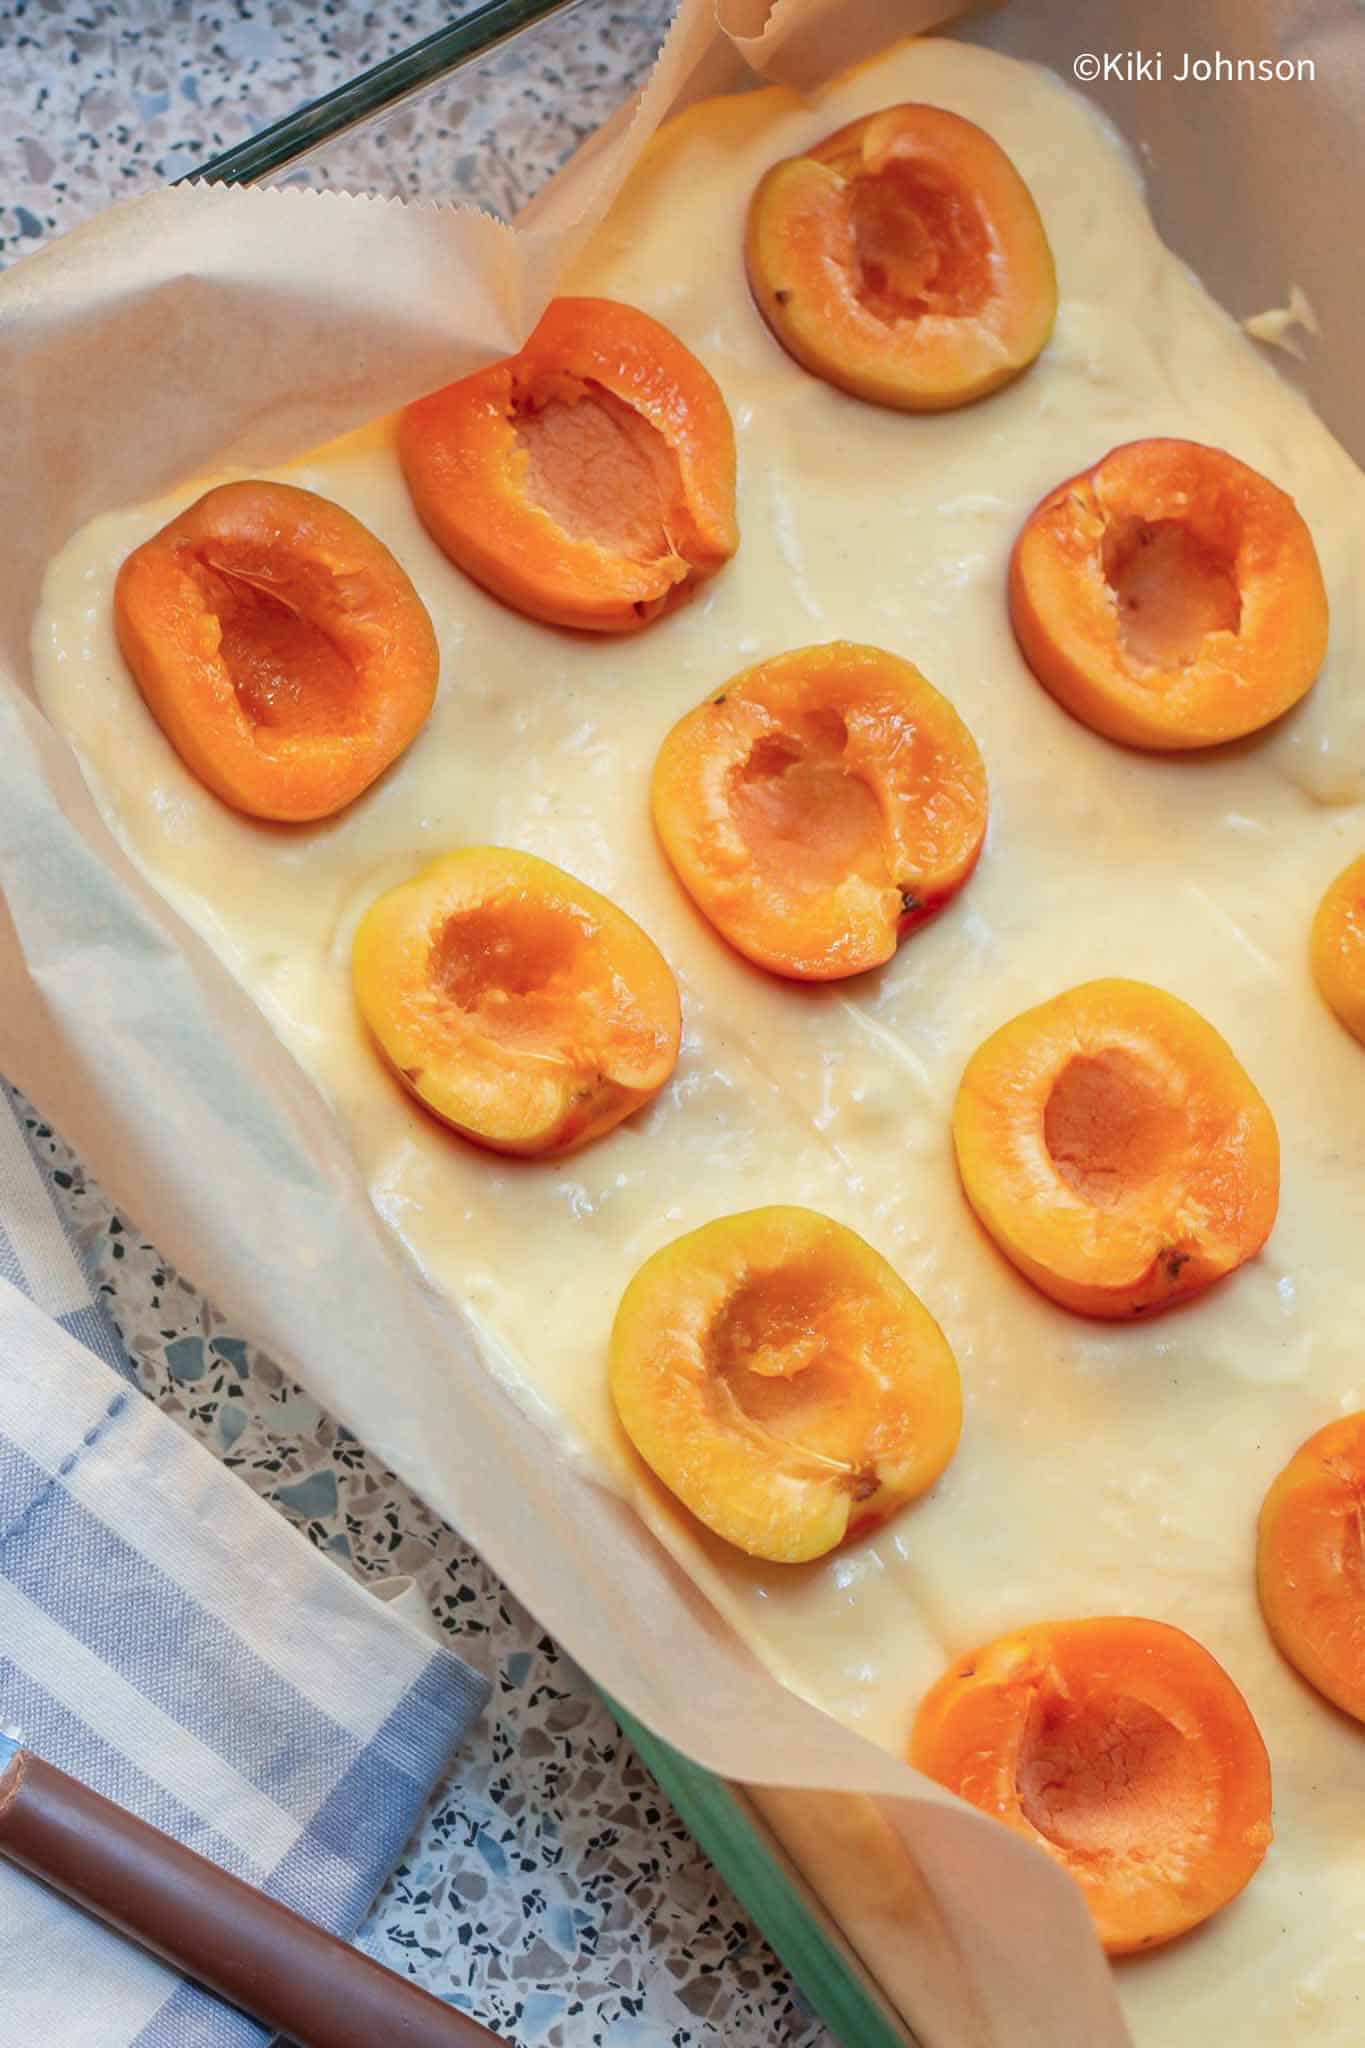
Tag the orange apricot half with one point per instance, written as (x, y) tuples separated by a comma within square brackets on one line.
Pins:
[(1338, 947), (781, 1379), (1116, 1150), (1310, 1562), (820, 806), (280, 647), (1123, 1749), (904, 260), (588, 481), (516, 1004), (1170, 597)]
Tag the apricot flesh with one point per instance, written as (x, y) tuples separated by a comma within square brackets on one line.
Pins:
[(1338, 947), (516, 1004), (1115, 1149), (1310, 1562), (588, 481), (781, 1379), (1121, 1748), (820, 806), (280, 647), (1170, 597), (903, 259)]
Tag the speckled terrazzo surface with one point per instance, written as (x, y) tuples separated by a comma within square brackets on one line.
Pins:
[(551, 1889)]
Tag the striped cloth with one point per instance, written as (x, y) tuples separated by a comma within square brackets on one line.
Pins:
[(167, 1638)]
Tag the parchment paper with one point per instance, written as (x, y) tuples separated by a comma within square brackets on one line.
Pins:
[(199, 329)]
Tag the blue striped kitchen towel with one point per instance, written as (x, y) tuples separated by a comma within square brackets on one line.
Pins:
[(166, 1637)]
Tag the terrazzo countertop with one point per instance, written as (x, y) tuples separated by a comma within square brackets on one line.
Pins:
[(551, 1889)]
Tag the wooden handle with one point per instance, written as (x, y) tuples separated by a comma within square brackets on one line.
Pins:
[(252, 1951)]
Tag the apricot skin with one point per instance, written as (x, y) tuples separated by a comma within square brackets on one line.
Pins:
[(1310, 1573), (517, 1005), (1115, 1149), (1172, 534), (903, 260), (1338, 948), (661, 415), (202, 611), (820, 807), (1121, 1748), (783, 1382)]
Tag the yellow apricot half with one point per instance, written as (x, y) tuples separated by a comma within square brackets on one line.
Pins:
[(1116, 1150), (1170, 597), (1310, 1562), (821, 806), (1338, 947), (588, 481), (904, 260), (1123, 1750), (515, 1003), (280, 647), (781, 1379)]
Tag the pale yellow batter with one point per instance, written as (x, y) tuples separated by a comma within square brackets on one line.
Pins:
[(1101, 1468)]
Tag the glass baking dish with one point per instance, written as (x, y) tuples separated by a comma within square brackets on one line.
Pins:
[(485, 111), (482, 111)]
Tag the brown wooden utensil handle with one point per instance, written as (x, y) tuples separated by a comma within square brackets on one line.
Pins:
[(254, 1952)]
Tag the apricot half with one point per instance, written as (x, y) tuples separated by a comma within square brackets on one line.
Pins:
[(903, 259), (1170, 597), (1338, 947), (782, 1380), (516, 1004), (1310, 1562), (279, 646), (588, 481), (1123, 1749), (1115, 1150), (820, 806)]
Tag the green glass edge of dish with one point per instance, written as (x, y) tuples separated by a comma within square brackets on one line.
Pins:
[(384, 85), (720, 1825)]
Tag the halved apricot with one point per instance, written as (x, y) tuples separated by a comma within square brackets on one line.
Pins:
[(782, 1380), (820, 806), (1122, 1748), (1170, 597), (1338, 947), (1115, 1149), (904, 260), (1310, 1562), (588, 481), (279, 646), (516, 1004)]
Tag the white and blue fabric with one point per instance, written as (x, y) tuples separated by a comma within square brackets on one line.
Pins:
[(168, 1639)]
